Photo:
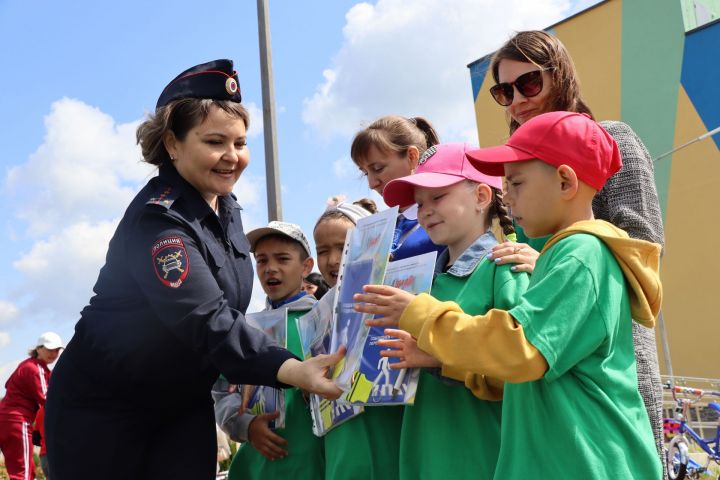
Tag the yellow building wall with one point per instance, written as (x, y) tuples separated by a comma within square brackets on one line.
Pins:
[(691, 263)]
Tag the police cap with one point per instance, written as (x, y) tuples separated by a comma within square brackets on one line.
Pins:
[(216, 80)]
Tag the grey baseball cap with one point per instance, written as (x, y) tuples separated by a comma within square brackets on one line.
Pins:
[(279, 228)]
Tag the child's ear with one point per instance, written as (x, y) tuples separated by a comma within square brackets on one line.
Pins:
[(413, 157), (568, 182), (484, 196), (308, 265)]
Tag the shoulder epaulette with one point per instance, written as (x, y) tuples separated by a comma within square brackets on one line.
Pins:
[(164, 196)]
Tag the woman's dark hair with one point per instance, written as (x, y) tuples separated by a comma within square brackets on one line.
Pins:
[(179, 117), (394, 134), (545, 51), (318, 280)]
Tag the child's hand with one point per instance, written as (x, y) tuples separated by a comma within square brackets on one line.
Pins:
[(387, 302), (264, 440), (407, 350), (522, 254)]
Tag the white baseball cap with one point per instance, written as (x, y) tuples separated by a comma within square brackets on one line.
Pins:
[(50, 340), (290, 230)]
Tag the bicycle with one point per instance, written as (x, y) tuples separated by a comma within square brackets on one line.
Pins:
[(678, 461)]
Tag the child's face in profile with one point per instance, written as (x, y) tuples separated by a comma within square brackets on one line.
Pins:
[(451, 215), (329, 243), (532, 191), (381, 167), (279, 267)]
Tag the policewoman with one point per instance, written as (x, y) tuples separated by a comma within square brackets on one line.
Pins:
[(130, 397)]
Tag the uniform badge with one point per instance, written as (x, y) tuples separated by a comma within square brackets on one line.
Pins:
[(427, 154), (170, 261), (231, 86)]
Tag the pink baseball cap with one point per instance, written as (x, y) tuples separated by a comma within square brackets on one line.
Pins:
[(439, 166), (557, 138)]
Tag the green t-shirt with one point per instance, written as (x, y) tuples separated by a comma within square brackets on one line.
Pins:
[(585, 418), (536, 243), (365, 447), (305, 459), (449, 433)]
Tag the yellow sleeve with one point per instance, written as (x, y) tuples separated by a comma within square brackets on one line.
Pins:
[(493, 344), (482, 386)]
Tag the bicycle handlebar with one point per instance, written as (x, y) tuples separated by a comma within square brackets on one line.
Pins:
[(698, 393)]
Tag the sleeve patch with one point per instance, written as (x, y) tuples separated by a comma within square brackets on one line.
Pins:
[(170, 261)]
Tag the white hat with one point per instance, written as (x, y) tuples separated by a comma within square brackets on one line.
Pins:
[(279, 228), (50, 340)]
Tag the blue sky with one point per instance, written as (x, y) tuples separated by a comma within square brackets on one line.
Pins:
[(78, 77)]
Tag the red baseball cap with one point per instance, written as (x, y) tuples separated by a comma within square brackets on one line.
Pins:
[(556, 138), (439, 166)]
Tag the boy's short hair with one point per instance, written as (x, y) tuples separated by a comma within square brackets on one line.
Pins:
[(285, 230), (557, 138)]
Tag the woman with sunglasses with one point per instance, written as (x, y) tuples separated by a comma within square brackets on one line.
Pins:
[(534, 74)]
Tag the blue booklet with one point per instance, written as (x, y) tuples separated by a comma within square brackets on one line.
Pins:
[(365, 257), (375, 383), (314, 331), (264, 399)]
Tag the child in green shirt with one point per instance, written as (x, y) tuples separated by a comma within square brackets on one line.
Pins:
[(282, 256), (448, 432), (571, 405)]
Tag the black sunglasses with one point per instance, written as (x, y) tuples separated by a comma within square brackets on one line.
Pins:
[(528, 84)]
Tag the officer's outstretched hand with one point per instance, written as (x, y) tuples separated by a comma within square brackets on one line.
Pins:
[(311, 375), (264, 440)]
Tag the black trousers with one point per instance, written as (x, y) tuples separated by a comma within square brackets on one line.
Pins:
[(91, 434)]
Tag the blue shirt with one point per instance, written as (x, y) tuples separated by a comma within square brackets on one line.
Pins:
[(410, 238)]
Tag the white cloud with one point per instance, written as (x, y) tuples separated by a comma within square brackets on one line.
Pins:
[(6, 370), (8, 312), (87, 169), (4, 339), (409, 57), (59, 271), (256, 119), (247, 189), (344, 168)]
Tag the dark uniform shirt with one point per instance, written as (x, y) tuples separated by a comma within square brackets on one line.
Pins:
[(167, 314)]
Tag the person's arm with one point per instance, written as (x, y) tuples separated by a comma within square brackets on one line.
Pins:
[(229, 413), (197, 313), (629, 199), (33, 381), (493, 344)]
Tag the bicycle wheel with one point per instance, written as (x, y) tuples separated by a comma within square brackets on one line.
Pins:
[(677, 458)]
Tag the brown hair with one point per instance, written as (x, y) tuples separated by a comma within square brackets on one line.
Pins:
[(501, 221), (179, 117), (394, 134), (545, 51), (33, 352)]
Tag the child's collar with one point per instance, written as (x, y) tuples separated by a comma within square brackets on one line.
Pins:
[(273, 305), (470, 258)]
